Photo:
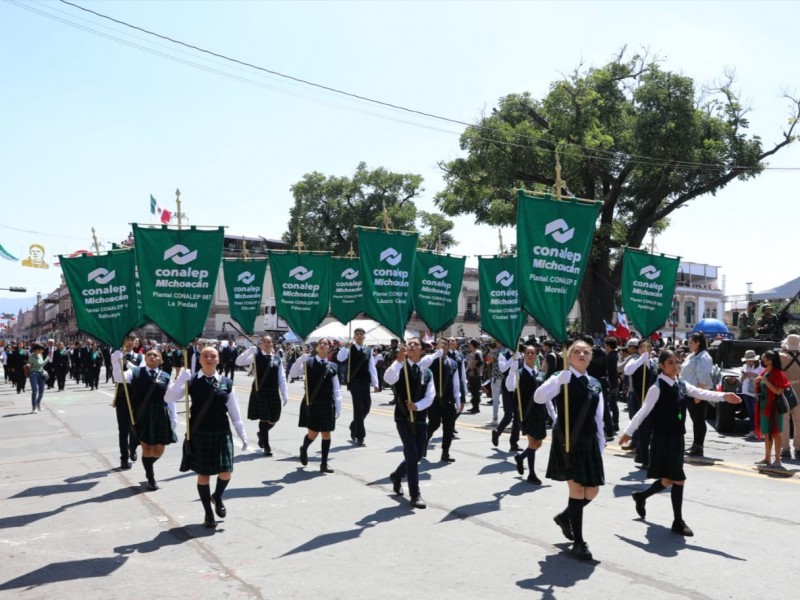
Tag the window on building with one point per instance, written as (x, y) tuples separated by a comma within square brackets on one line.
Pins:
[(689, 313), (710, 312)]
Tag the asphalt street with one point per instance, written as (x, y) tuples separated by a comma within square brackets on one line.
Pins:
[(73, 526)]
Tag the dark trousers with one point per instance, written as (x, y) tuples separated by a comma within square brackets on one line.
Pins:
[(230, 370), (634, 404), (446, 417), (49, 369), (94, 377), (510, 415), (61, 376), (610, 411), (127, 438), (21, 379), (362, 402), (699, 427), (474, 385), (414, 437)]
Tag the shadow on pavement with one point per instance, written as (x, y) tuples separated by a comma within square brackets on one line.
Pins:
[(60, 488), (382, 515), (661, 541), (558, 571), (66, 571), (170, 537)]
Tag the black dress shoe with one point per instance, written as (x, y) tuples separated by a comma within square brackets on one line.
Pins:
[(134, 456), (418, 502), (124, 465), (695, 451), (267, 451), (152, 485), (396, 486), (448, 458), (532, 478), (515, 448), (682, 528), (361, 443), (209, 522), (562, 520), (495, 437), (324, 468), (640, 502), (581, 551), (520, 464), (474, 411), (219, 507), (303, 455)]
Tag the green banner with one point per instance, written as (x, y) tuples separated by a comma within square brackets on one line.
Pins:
[(553, 242), (103, 292), (178, 270), (648, 282), (437, 286), (302, 282), (244, 282), (387, 266), (347, 288), (500, 307)]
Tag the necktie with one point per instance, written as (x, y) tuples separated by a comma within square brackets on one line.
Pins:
[(415, 371), (584, 380), (152, 375)]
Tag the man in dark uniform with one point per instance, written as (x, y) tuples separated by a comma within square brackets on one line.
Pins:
[(642, 372), (474, 368), (356, 362), (228, 356), (415, 393), (127, 437), (447, 403), (61, 365), (269, 388), (769, 327)]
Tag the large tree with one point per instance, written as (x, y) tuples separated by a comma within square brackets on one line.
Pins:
[(639, 138), (327, 209)]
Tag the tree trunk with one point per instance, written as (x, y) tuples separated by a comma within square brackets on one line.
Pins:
[(596, 298)]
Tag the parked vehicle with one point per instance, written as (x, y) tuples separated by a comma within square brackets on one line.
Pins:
[(727, 356)]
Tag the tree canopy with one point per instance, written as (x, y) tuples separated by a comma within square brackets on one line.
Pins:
[(641, 139), (327, 209)]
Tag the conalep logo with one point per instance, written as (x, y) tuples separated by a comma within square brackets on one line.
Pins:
[(246, 277), (504, 278), (349, 274), (438, 271), (559, 231), (102, 276), (180, 254), (391, 256), (650, 272), (300, 273)]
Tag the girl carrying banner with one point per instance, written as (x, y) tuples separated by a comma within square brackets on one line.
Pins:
[(578, 459)]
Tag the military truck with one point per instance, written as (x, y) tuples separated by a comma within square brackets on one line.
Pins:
[(727, 356)]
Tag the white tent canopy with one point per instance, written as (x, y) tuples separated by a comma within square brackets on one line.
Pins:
[(376, 333)]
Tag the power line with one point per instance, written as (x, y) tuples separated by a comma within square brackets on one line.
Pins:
[(596, 153)]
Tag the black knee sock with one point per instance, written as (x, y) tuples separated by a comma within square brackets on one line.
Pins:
[(585, 501), (326, 446), (677, 502), (654, 488), (204, 491), (307, 441), (530, 453), (264, 430), (147, 463), (575, 508), (220, 489)]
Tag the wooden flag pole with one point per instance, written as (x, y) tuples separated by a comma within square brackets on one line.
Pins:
[(566, 404), (186, 391)]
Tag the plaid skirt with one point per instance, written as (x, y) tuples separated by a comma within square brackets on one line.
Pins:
[(583, 465), (318, 416), (534, 424), (264, 405), (154, 427), (666, 457), (212, 452)]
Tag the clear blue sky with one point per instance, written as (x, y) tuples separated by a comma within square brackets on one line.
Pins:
[(92, 127)]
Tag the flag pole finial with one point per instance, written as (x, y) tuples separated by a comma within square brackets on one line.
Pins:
[(179, 215), (95, 243)]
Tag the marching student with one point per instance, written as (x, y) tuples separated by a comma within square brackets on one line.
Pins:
[(269, 392), (507, 363), (359, 369), (213, 403), (415, 393), (447, 404), (666, 402), (322, 400), (522, 384), (120, 362), (580, 464), (156, 420)]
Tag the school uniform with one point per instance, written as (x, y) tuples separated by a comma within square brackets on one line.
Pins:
[(120, 363), (447, 401), (642, 371), (666, 405), (322, 401), (413, 435), (361, 375), (268, 393)]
